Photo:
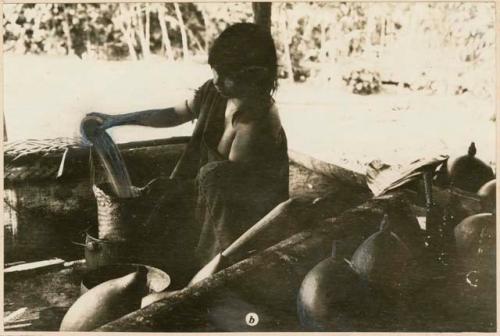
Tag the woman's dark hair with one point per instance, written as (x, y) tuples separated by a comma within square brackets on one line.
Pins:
[(240, 49)]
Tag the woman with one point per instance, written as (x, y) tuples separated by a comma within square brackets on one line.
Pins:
[(238, 150)]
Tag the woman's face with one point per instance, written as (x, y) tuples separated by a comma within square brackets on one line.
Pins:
[(243, 84), (225, 84)]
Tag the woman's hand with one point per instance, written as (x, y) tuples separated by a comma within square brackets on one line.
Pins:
[(105, 120)]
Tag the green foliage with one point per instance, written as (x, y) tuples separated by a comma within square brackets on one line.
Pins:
[(445, 47)]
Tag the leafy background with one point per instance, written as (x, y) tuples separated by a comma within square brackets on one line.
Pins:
[(343, 43)]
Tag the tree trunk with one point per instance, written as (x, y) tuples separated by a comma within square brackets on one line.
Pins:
[(67, 32), (262, 14), (127, 30), (206, 22), (182, 27), (141, 31), (322, 50), (148, 26), (286, 42), (197, 42), (167, 45)]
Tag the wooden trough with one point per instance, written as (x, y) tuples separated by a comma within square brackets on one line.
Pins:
[(265, 283)]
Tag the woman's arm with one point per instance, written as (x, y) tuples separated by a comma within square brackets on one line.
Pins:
[(167, 117)]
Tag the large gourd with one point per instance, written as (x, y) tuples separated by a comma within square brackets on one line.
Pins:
[(488, 196), (475, 239), (468, 172), (107, 302), (476, 274), (384, 260), (333, 298)]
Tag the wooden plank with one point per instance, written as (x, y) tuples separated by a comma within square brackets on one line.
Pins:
[(19, 321), (75, 263), (14, 316), (17, 326), (14, 263), (287, 261), (28, 269)]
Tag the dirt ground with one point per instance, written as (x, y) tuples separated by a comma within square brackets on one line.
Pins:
[(46, 97)]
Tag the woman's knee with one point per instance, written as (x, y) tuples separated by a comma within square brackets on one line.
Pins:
[(215, 172)]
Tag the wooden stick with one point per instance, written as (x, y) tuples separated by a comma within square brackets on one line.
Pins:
[(276, 217)]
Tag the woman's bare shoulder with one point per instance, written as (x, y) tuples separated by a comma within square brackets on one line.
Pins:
[(274, 119), (268, 122)]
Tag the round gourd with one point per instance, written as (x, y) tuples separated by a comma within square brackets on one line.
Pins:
[(468, 172), (475, 239), (329, 297), (383, 259), (488, 195), (332, 297), (476, 249)]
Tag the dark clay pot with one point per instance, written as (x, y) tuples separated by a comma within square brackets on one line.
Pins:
[(468, 172)]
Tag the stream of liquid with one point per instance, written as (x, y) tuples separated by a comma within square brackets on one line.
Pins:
[(111, 158)]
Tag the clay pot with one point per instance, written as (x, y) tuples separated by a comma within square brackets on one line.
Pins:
[(107, 302), (468, 172), (488, 195), (383, 260)]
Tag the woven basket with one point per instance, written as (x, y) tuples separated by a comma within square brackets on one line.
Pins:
[(121, 219), (115, 216)]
